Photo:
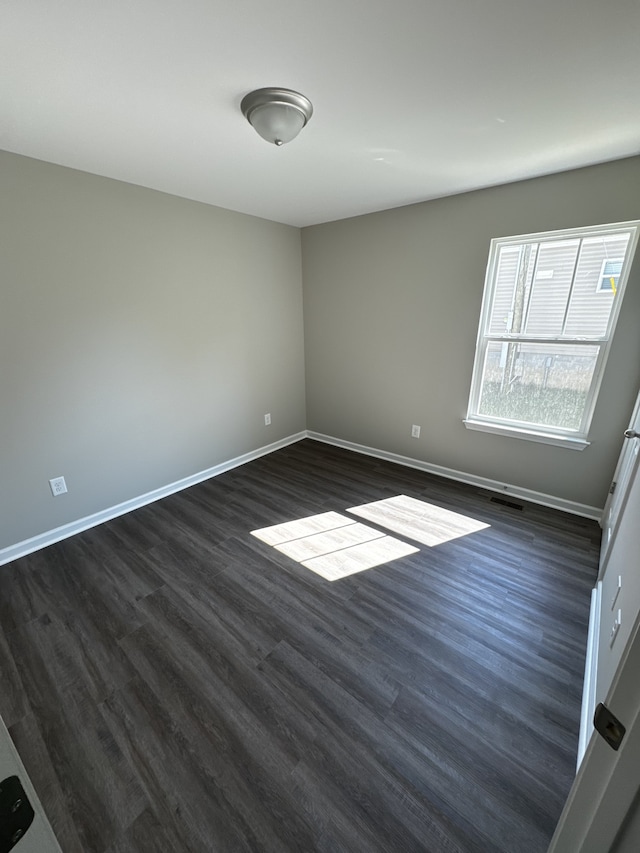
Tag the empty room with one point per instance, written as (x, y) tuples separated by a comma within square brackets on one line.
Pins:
[(319, 427)]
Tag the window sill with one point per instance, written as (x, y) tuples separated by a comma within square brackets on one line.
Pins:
[(527, 434)]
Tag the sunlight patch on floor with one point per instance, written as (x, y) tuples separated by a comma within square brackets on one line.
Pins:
[(328, 541), (376, 552), (418, 520), (333, 545), (291, 530)]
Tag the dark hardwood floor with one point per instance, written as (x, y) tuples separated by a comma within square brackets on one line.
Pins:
[(174, 684)]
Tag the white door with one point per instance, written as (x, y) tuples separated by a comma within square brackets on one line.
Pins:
[(607, 782), (39, 837), (608, 632), (627, 465)]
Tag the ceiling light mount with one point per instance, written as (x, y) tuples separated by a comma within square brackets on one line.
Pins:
[(277, 115)]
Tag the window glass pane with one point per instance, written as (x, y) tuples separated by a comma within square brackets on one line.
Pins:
[(506, 273), (591, 301), (537, 384), (551, 287), (514, 273), (609, 278), (611, 268)]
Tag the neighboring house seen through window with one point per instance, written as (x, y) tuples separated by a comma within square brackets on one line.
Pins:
[(550, 306)]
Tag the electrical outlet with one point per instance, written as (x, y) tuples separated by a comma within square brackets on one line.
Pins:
[(615, 628), (415, 431), (267, 419), (58, 486)]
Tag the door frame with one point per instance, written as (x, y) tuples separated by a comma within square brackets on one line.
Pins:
[(620, 488)]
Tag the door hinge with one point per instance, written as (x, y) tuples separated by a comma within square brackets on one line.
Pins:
[(613, 487), (609, 726)]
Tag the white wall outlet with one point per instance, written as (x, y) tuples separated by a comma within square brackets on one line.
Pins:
[(267, 419), (415, 431), (58, 486), (615, 628)]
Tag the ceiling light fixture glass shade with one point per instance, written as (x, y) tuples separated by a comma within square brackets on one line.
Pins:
[(278, 115)]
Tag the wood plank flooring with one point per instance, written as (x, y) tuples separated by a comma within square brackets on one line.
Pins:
[(174, 684)]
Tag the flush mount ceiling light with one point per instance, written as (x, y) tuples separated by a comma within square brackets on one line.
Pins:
[(278, 115)]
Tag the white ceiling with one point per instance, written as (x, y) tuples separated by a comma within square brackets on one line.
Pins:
[(413, 99)]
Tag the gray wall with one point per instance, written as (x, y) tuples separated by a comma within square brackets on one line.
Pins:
[(143, 336), (142, 339), (392, 303)]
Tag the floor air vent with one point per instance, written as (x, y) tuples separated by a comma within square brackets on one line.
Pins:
[(505, 502)]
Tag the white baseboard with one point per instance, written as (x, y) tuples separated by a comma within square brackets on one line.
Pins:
[(483, 482), (42, 540)]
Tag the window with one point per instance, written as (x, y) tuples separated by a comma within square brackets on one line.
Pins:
[(550, 306), (610, 274)]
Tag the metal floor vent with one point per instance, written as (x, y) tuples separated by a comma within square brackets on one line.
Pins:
[(505, 502)]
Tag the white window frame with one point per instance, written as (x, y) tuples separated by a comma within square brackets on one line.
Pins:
[(576, 439)]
